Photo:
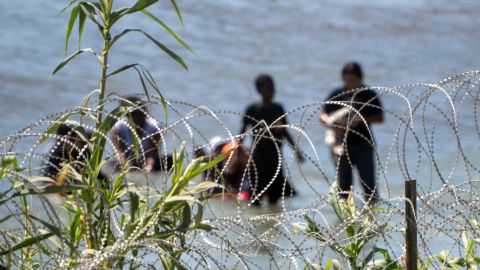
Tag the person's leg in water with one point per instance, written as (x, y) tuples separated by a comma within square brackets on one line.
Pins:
[(257, 176), (344, 173), (363, 158), (275, 190), (278, 185), (261, 176), (281, 187), (245, 193), (164, 163)]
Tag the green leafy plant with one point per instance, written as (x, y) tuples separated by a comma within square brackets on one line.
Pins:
[(105, 17), (94, 212), (359, 230), (98, 223), (469, 261)]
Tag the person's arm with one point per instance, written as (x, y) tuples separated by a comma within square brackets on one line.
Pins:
[(323, 117), (375, 118), (298, 153), (327, 108), (245, 123)]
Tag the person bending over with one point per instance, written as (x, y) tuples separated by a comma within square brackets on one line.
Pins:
[(137, 138)]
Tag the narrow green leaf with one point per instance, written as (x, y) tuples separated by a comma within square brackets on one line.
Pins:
[(179, 14), (7, 217), (85, 106), (144, 85), (199, 216), (81, 27), (208, 165), (178, 163), (181, 198), (99, 11), (121, 69), (124, 32), (53, 128), (152, 82), (312, 227), (27, 242), (169, 30), (74, 226), (117, 14), (203, 187), (134, 203), (140, 5), (186, 218), (68, 59), (54, 229), (368, 258), (91, 12), (335, 202), (205, 227), (8, 161), (50, 190), (106, 125), (173, 55), (470, 254), (105, 5), (329, 264), (71, 23), (67, 6)]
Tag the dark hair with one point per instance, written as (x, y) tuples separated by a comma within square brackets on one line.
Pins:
[(64, 130), (70, 130), (264, 80), (130, 101), (135, 103), (352, 68)]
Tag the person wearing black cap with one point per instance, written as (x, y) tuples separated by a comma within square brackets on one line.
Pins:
[(349, 137)]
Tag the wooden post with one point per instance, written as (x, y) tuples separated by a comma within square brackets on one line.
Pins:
[(410, 218)]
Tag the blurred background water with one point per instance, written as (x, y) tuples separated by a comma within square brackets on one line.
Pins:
[(302, 43)]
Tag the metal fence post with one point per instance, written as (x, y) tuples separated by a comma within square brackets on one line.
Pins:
[(410, 218)]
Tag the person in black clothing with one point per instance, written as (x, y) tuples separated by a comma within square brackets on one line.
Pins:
[(70, 149), (352, 141), (265, 156)]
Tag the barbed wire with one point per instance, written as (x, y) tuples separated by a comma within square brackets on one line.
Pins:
[(430, 134)]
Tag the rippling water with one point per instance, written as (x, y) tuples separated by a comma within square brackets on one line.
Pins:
[(302, 43)]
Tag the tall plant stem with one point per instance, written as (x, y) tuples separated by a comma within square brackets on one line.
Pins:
[(103, 79)]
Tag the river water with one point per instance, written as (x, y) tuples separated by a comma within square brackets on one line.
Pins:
[(302, 43)]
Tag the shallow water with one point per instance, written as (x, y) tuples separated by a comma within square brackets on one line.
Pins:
[(303, 44)]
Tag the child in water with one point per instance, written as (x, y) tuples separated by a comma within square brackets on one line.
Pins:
[(266, 172), (232, 168)]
